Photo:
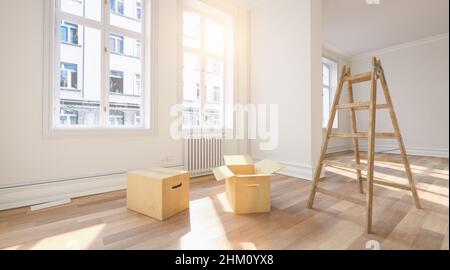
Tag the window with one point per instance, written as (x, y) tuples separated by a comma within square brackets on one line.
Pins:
[(116, 118), (119, 100), (116, 44), (117, 6), (69, 33), (138, 10), (137, 52), (191, 117), (116, 82), (69, 76), (329, 69), (206, 55), (137, 84), (69, 117)]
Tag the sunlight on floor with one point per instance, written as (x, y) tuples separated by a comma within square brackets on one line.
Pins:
[(74, 240)]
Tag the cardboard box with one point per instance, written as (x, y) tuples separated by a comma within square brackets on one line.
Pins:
[(247, 185), (158, 192)]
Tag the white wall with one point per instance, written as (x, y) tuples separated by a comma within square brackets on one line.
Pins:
[(286, 70), (417, 74), (27, 157)]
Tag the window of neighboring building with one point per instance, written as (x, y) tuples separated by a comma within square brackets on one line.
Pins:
[(116, 43), (138, 10), (117, 6), (69, 117), (107, 77), (138, 48), (207, 38), (69, 33), (191, 117), (116, 118), (69, 76), (329, 82), (137, 84), (116, 82)]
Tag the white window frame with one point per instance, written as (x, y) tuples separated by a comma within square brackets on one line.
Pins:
[(186, 6), (52, 77)]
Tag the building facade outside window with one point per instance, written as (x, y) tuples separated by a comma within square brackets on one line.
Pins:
[(83, 98)]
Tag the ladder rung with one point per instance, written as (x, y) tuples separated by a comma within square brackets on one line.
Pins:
[(364, 135), (379, 107), (364, 77), (361, 106), (341, 196), (349, 165), (388, 184)]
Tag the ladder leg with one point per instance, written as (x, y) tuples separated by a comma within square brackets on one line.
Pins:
[(327, 138), (400, 139), (355, 140), (371, 149)]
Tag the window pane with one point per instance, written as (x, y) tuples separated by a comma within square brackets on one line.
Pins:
[(191, 77), (326, 106), (214, 38), (191, 117), (191, 30), (125, 99), (91, 9), (214, 81), (123, 14), (326, 75), (80, 73)]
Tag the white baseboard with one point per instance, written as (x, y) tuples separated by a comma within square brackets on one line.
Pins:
[(339, 148), (16, 197), (412, 151)]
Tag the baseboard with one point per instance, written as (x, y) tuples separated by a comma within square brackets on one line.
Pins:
[(412, 151), (339, 148), (34, 194), (16, 197)]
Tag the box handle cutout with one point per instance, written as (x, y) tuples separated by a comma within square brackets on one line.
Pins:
[(254, 185), (177, 186)]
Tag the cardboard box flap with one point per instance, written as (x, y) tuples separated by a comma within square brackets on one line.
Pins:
[(238, 160), (267, 167), (222, 173)]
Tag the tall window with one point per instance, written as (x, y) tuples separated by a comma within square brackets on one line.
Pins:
[(205, 50), (330, 70), (122, 98)]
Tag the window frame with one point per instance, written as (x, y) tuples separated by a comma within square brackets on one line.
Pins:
[(51, 74)]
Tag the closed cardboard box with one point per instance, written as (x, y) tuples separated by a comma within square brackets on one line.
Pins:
[(158, 192), (247, 185)]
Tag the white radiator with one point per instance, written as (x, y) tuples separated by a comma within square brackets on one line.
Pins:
[(202, 154)]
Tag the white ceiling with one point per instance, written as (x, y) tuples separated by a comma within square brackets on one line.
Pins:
[(354, 27)]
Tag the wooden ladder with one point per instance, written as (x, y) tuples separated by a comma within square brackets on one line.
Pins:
[(373, 76)]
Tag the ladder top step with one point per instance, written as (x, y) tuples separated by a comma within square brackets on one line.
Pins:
[(348, 165), (364, 135), (363, 77)]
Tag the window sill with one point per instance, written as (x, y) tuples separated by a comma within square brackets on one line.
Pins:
[(67, 133), (71, 90), (71, 44)]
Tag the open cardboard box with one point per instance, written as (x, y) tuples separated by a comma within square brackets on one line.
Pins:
[(247, 185)]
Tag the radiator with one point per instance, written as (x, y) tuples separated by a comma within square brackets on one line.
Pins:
[(202, 154)]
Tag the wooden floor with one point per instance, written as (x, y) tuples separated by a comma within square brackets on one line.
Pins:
[(103, 222)]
